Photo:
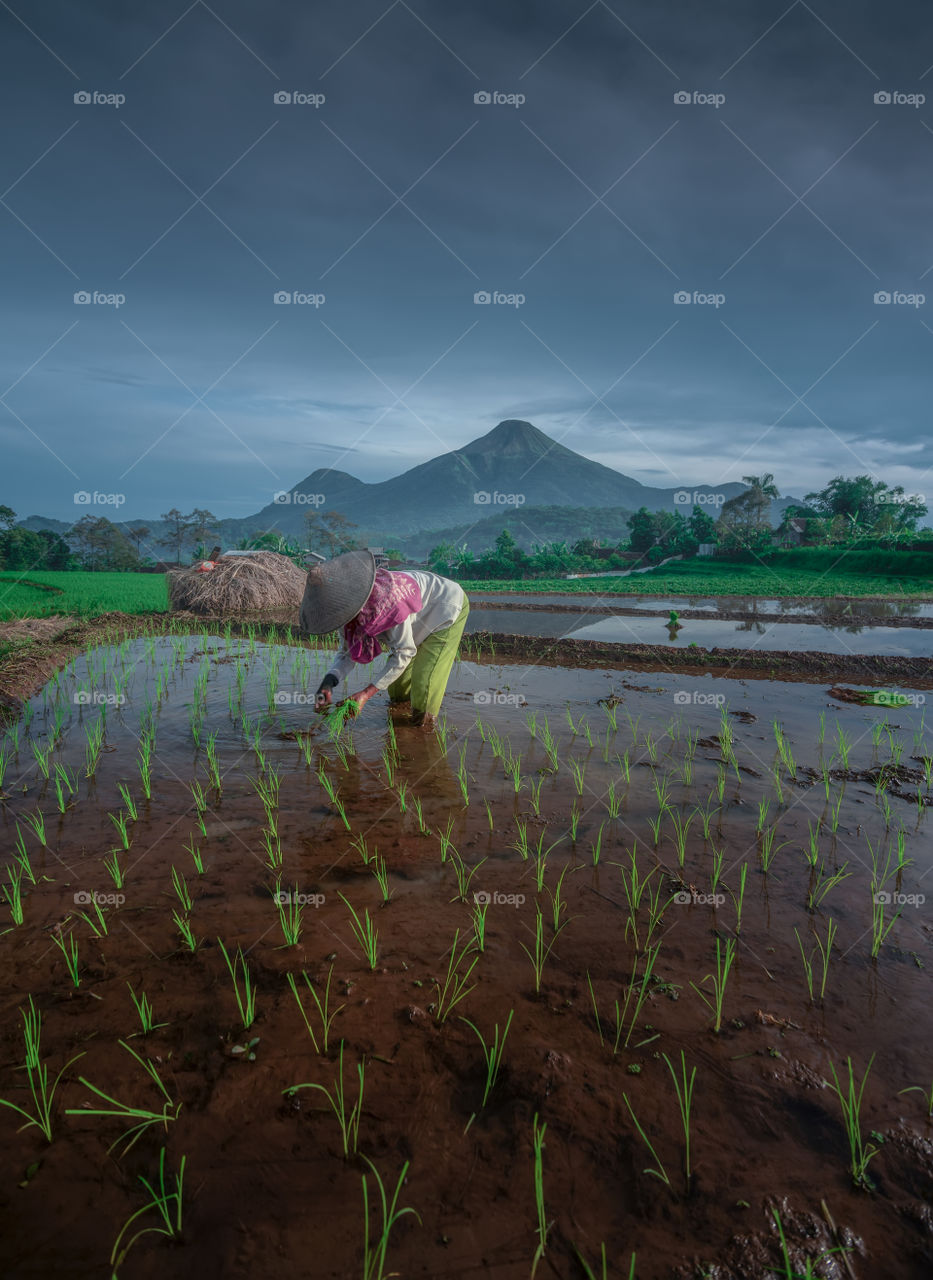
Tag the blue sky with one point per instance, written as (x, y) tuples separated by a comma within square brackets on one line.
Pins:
[(781, 192)]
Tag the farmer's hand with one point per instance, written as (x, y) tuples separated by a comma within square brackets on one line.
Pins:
[(322, 699), (362, 698)]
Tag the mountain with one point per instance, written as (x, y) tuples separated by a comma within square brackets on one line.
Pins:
[(515, 465)]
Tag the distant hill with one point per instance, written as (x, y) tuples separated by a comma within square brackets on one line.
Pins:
[(528, 526), (472, 487), (514, 458)]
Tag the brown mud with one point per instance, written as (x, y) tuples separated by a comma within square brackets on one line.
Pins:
[(268, 1192)]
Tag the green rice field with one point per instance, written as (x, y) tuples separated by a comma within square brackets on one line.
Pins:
[(39, 594)]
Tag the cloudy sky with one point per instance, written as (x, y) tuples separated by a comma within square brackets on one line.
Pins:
[(729, 153)]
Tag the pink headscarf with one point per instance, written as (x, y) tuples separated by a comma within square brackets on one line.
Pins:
[(393, 597)]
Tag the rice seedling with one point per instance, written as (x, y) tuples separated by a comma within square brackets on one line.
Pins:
[(145, 765), (590, 1274), (660, 1171), (880, 898), (534, 786), (388, 760), (69, 951), (681, 830), (366, 934), (596, 846), (380, 871), (213, 767), (739, 900), (167, 1204), (12, 891), (577, 769), (538, 1132), (97, 926), (290, 909), (861, 1153), (454, 988), (480, 907), (183, 925), (540, 954), (374, 1256), (196, 858), (812, 852), (825, 950), (575, 817), (540, 858), (634, 885), (725, 957), (323, 1008), (488, 813), (41, 755), (119, 820), (37, 822), (821, 884), (65, 781), (145, 1013), (637, 989), (521, 844), (93, 746), (128, 801), (181, 889), (764, 805), (684, 1089), (359, 844), (245, 997), (444, 837), (418, 810), (927, 1096), (462, 778), (43, 1095), (558, 906), (145, 1117), (613, 801), (349, 1121), (843, 747)]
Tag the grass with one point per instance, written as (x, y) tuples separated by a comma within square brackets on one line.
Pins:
[(145, 1117), (323, 1008), (861, 1153), (84, 594), (43, 1094), (349, 1121), (242, 986), (167, 1203), (374, 1254)]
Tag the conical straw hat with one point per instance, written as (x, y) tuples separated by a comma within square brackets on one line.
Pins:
[(335, 591)]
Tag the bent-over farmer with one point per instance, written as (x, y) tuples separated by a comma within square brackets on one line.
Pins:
[(415, 618)]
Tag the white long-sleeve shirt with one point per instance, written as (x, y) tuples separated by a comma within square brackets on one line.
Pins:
[(441, 602)]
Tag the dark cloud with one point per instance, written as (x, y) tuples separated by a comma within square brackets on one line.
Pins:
[(599, 198)]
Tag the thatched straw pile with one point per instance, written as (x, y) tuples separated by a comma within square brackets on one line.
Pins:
[(239, 585)]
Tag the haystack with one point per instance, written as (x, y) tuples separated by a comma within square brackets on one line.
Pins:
[(264, 583)]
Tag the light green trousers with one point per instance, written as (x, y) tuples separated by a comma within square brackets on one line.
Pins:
[(424, 680)]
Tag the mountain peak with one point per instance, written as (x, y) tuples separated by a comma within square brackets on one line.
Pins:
[(511, 434)]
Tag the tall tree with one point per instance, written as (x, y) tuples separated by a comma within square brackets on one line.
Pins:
[(178, 533), (330, 532)]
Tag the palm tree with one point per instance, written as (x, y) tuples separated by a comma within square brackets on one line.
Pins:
[(765, 484)]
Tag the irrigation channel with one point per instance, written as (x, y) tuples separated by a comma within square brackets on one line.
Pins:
[(595, 965)]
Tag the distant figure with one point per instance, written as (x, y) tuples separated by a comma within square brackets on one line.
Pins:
[(415, 617)]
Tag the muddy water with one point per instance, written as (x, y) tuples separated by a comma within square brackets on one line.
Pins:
[(267, 1190), (852, 609), (751, 636)]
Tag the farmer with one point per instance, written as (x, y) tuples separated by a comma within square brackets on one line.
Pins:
[(415, 618)]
